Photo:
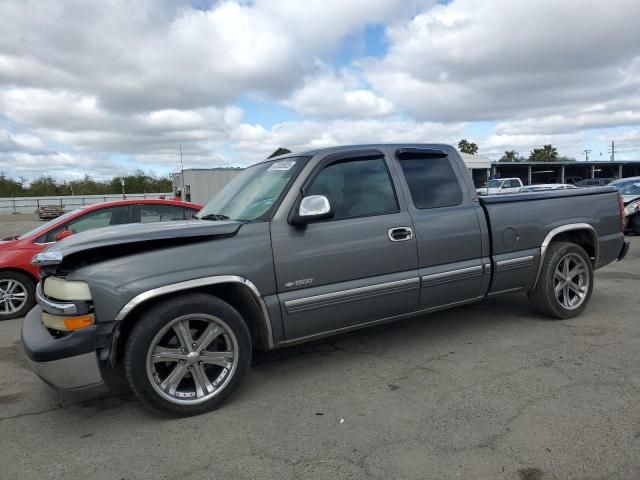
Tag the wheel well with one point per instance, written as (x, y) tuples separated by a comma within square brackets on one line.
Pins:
[(236, 295), (23, 272), (581, 237)]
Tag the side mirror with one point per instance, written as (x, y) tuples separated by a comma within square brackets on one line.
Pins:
[(63, 234), (313, 207)]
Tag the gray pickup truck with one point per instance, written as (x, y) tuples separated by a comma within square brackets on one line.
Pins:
[(297, 248)]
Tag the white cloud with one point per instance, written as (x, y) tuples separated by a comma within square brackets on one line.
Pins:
[(497, 59), (82, 81), (340, 95)]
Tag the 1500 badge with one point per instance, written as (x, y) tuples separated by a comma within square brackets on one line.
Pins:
[(299, 283)]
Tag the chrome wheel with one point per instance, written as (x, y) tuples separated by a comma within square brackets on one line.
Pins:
[(571, 281), (192, 359), (13, 296)]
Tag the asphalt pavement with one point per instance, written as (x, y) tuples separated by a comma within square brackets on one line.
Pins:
[(487, 391)]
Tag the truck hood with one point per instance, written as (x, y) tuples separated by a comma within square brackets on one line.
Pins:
[(154, 234)]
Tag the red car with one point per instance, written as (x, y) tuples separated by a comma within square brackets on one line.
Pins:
[(18, 277)]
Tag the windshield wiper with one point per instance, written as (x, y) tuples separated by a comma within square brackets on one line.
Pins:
[(213, 216), (10, 238)]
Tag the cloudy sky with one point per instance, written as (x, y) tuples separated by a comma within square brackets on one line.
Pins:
[(108, 86)]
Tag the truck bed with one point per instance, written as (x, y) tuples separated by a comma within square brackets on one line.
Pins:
[(520, 224)]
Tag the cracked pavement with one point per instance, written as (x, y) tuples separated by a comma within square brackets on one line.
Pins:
[(486, 391)]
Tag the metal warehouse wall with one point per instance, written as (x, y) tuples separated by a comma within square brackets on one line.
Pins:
[(203, 184)]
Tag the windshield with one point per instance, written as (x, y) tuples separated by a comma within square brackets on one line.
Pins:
[(494, 183), (251, 193), (50, 223)]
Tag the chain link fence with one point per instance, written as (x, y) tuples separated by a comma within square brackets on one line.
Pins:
[(18, 205)]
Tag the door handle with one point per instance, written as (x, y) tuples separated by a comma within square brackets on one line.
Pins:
[(400, 234)]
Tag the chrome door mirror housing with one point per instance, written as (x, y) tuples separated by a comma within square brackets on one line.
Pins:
[(313, 207)]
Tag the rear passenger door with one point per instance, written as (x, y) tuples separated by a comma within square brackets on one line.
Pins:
[(348, 270), (454, 265)]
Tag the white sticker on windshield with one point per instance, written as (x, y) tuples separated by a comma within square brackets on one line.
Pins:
[(282, 165)]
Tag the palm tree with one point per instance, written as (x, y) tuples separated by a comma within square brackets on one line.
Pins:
[(510, 156), (467, 147), (548, 153)]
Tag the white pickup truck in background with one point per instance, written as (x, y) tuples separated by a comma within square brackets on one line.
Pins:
[(500, 185)]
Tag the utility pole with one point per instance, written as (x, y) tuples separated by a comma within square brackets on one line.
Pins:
[(586, 154), (612, 151), (182, 192)]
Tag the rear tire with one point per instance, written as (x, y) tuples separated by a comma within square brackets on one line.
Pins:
[(187, 355), (566, 282), (17, 294)]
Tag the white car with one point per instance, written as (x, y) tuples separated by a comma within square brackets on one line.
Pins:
[(500, 185), (629, 188), (543, 187)]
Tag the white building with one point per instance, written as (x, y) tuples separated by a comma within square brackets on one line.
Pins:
[(199, 185), (479, 167)]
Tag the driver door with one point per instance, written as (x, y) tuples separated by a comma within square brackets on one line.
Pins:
[(351, 269)]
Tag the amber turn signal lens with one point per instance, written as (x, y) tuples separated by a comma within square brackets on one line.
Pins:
[(76, 323), (67, 324)]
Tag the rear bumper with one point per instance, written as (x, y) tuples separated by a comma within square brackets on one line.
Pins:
[(624, 250), (68, 363)]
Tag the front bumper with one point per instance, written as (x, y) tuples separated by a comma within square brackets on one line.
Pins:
[(67, 363)]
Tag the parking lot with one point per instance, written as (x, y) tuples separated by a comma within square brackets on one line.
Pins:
[(490, 390)]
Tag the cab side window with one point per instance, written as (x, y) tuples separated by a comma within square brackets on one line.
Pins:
[(432, 182), (356, 188)]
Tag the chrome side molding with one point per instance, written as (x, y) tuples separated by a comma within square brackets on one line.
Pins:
[(351, 294), (451, 275), (514, 263), (201, 282)]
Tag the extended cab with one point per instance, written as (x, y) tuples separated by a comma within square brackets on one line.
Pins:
[(297, 248)]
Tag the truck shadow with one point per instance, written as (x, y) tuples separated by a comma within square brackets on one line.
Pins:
[(449, 327), (484, 315)]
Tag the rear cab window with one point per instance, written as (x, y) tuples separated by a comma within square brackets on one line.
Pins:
[(431, 180)]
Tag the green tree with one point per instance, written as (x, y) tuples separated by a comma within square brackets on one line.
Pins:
[(46, 185), (467, 147), (548, 153), (10, 187), (510, 156)]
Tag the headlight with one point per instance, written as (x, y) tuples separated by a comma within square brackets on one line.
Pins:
[(632, 207), (47, 258), (59, 289)]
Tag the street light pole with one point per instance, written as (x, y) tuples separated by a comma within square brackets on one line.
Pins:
[(124, 196)]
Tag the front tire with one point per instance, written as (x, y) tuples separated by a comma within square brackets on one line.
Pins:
[(17, 295), (186, 355), (566, 282)]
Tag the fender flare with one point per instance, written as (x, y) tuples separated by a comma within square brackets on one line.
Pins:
[(568, 228), (197, 283)]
